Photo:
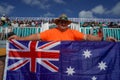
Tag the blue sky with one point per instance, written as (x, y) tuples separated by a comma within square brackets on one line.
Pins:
[(53, 8)]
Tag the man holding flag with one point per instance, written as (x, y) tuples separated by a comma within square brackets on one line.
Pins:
[(59, 59)]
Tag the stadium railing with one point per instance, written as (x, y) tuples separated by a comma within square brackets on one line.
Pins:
[(26, 31)]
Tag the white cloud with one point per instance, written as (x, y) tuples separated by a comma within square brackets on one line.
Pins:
[(59, 1), (86, 14), (116, 9), (6, 9), (89, 14), (49, 14), (101, 10), (98, 9), (40, 3)]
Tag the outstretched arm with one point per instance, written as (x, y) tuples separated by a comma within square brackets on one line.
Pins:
[(96, 38), (31, 37), (93, 38)]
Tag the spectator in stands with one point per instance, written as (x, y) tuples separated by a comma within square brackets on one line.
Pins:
[(36, 23), (32, 23), (3, 18), (100, 32), (92, 29), (14, 24), (21, 24), (25, 23), (104, 25), (1, 23), (111, 24), (118, 24), (61, 32), (86, 24)]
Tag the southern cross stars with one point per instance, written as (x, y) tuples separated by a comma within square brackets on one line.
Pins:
[(70, 71), (87, 54), (94, 78), (102, 65)]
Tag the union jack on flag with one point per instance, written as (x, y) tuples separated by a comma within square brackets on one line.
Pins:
[(33, 53)]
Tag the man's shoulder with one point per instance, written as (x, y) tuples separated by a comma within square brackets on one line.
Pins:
[(49, 30)]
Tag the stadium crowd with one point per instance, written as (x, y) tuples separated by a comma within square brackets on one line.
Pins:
[(6, 22)]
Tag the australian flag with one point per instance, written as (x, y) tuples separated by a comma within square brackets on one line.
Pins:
[(62, 60)]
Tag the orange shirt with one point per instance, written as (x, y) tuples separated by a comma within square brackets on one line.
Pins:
[(55, 34)]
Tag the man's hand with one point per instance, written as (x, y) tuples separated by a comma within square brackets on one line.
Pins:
[(111, 39), (96, 38), (30, 37), (14, 37)]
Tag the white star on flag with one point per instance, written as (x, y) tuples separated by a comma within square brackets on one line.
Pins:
[(87, 54), (102, 65), (94, 78), (70, 71)]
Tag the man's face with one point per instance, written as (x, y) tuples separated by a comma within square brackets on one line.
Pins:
[(63, 25)]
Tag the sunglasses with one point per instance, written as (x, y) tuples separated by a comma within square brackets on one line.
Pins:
[(62, 22)]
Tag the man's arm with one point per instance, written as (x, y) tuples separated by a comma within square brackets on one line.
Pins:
[(93, 38), (96, 38), (31, 37)]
